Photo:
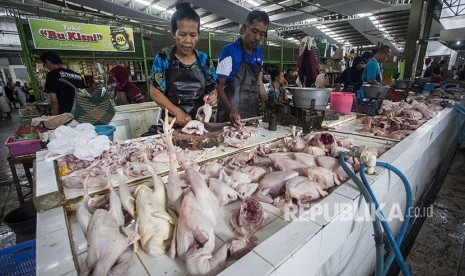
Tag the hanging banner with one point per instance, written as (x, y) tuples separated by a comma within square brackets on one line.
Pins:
[(62, 35)]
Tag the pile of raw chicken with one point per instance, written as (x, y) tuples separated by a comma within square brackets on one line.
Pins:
[(399, 119), (179, 217), (132, 158)]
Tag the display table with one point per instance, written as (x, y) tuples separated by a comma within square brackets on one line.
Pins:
[(290, 243), (26, 161)]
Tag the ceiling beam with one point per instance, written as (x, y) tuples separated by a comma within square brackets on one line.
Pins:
[(107, 6), (363, 25)]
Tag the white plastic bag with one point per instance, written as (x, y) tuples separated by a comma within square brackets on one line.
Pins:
[(92, 148)]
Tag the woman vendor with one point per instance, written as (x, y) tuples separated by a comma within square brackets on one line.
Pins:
[(183, 78), (125, 91), (352, 76), (277, 89)]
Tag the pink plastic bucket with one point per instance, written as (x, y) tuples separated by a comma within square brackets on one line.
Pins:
[(342, 101)]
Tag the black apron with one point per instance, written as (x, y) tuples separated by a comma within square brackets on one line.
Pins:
[(242, 92), (185, 87), (350, 85)]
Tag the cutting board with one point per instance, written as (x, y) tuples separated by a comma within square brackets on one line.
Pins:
[(198, 142)]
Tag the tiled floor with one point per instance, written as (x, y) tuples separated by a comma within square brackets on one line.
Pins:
[(439, 247), (8, 196)]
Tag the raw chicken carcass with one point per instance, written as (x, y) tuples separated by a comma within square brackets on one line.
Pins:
[(323, 140), (195, 231), (324, 177), (194, 126), (204, 113), (154, 224), (305, 158), (291, 165), (314, 151), (222, 191), (273, 182), (303, 189), (247, 217), (107, 241), (333, 165), (194, 238)]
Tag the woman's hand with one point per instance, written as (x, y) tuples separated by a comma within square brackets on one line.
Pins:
[(211, 98), (235, 119), (183, 118)]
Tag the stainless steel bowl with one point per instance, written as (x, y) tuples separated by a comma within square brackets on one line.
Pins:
[(403, 84), (375, 91), (303, 96)]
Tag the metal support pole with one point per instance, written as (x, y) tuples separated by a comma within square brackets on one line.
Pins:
[(413, 33), (428, 20), (27, 55), (209, 45), (282, 56), (144, 55)]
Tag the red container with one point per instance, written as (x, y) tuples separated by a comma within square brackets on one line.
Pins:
[(22, 147), (342, 102)]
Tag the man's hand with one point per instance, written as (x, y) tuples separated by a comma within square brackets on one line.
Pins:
[(235, 119), (183, 118), (211, 98)]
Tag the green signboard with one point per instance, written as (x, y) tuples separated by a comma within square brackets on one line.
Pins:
[(62, 35)]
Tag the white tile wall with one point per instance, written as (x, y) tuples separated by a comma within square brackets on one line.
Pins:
[(53, 253), (279, 247), (249, 265), (328, 208), (50, 221), (304, 261), (332, 237)]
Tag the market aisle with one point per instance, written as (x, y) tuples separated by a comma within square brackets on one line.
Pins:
[(8, 196), (439, 247)]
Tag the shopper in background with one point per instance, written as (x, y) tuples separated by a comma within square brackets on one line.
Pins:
[(20, 94), (183, 78), (367, 56), (372, 72), (277, 89), (438, 73), (429, 69), (60, 92), (240, 72), (9, 94), (4, 105), (352, 76), (125, 91)]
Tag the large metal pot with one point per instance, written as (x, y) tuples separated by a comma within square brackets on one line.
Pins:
[(403, 84), (375, 91), (303, 96)]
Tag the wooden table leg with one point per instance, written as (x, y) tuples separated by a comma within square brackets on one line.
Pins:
[(27, 169), (16, 181)]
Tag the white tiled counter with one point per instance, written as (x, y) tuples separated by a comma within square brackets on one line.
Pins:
[(334, 245), (318, 243)]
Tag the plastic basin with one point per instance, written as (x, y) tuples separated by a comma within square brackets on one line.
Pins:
[(303, 96), (342, 102), (107, 130), (23, 219)]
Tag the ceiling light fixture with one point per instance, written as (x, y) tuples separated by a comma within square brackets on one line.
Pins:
[(143, 2), (458, 43), (160, 8), (253, 3)]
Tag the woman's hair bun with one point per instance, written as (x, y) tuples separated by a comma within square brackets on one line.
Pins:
[(183, 6)]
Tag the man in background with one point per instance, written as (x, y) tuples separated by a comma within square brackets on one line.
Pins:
[(240, 76), (57, 83), (372, 72)]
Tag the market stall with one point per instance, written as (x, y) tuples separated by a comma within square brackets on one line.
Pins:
[(328, 236)]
